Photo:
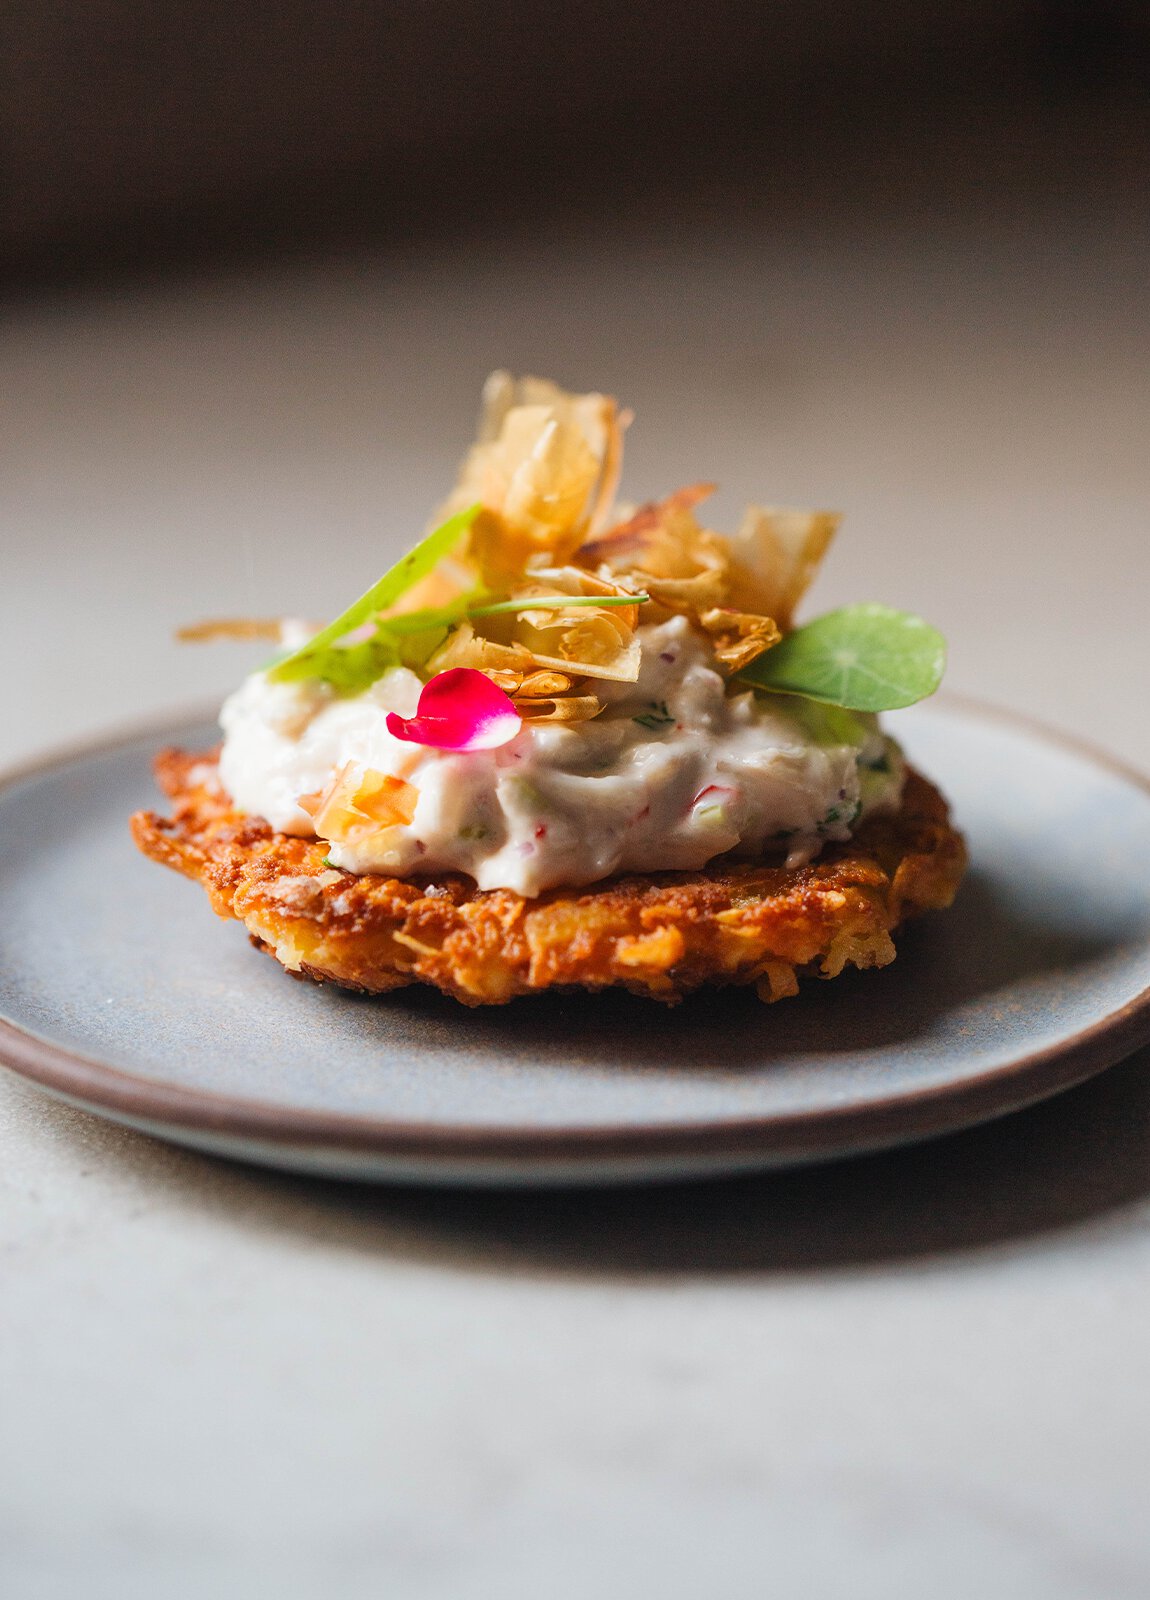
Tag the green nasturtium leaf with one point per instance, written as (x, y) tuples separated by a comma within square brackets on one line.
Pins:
[(863, 658), (351, 668)]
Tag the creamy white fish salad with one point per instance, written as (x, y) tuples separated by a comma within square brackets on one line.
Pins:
[(674, 771)]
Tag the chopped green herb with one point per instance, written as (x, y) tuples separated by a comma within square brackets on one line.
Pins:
[(841, 813), (473, 831), (530, 797), (657, 717), (880, 764), (862, 658)]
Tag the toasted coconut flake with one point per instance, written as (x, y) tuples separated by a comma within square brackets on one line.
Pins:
[(358, 802), (509, 664), (544, 685), (533, 685), (241, 628), (583, 642), (565, 708), (777, 552), (738, 636), (587, 648), (595, 642), (509, 682)]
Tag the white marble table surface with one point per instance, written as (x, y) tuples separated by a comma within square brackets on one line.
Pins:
[(920, 1374)]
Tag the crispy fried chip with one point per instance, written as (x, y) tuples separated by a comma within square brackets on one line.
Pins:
[(546, 696), (545, 684), (565, 708), (738, 636), (663, 550), (589, 641), (777, 552), (544, 467), (661, 935), (584, 641), (359, 803), (238, 628), (597, 415), (467, 648)]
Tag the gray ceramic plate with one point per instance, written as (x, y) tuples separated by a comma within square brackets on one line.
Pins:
[(121, 992)]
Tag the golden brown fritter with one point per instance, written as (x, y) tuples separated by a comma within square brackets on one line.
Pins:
[(661, 934)]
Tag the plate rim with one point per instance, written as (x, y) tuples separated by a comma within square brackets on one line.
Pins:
[(913, 1114)]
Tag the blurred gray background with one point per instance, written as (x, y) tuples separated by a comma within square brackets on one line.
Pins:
[(137, 131), (256, 262)]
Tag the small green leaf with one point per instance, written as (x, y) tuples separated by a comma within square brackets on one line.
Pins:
[(863, 658), (315, 658), (657, 717), (847, 813)]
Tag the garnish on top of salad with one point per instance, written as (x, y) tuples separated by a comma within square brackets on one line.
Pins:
[(565, 741)]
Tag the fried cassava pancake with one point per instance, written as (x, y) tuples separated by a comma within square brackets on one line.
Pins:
[(660, 934)]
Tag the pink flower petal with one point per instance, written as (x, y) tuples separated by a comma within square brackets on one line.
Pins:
[(459, 710)]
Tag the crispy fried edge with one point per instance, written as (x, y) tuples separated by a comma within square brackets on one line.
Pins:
[(661, 935)]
